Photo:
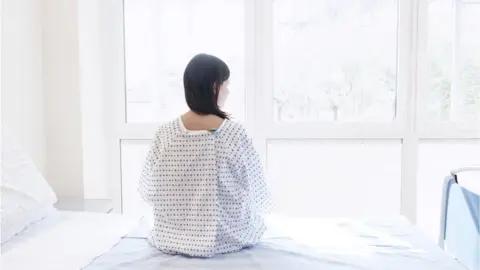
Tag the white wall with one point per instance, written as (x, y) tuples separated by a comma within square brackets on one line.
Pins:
[(62, 97), (22, 95), (92, 101), (73, 98), (52, 90)]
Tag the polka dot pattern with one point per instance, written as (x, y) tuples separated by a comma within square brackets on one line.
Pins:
[(207, 190)]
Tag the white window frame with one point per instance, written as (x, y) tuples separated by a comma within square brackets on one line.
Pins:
[(409, 126)]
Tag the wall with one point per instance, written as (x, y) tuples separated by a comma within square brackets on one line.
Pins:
[(92, 101), (22, 95), (73, 98), (61, 74), (52, 90)]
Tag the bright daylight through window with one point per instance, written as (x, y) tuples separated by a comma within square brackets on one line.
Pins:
[(335, 60), (156, 53), (453, 44), (352, 98)]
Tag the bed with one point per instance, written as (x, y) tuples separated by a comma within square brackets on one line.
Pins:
[(98, 241), (69, 240)]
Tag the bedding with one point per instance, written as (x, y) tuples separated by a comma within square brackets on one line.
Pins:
[(65, 240), (71, 240), (307, 243), (15, 224), (300, 244), (26, 196), (68, 240)]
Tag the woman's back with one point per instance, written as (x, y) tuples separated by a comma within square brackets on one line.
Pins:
[(206, 188)]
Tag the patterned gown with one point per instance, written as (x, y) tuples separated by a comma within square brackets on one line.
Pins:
[(206, 189)]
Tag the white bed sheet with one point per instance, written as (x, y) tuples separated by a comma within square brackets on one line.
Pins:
[(74, 240), (65, 240), (305, 244)]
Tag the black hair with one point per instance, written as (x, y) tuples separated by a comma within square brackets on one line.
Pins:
[(202, 79)]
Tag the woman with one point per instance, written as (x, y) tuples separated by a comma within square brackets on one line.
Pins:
[(202, 177)]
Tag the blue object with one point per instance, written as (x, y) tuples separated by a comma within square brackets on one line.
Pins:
[(460, 222)]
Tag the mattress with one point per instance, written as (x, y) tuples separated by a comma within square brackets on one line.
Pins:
[(299, 243)]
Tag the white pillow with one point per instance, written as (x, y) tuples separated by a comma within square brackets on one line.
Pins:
[(26, 196)]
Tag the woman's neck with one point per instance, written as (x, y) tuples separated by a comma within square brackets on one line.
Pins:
[(195, 121)]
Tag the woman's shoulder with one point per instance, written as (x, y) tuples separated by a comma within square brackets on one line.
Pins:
[(168, 129), (234, 129), (170, 125)]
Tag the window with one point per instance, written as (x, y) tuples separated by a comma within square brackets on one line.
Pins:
[(161, 36), (468, 63), (335, 60), (388, 89), (453, 61)]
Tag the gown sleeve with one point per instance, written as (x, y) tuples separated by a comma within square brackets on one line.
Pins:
[(146, 186), (251, 171)]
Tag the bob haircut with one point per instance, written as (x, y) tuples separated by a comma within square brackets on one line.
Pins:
[(202, 79)]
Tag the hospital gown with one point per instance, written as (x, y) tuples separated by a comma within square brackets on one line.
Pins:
[(206, 189)]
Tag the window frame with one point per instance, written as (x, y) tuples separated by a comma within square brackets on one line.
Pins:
[(410, 124)]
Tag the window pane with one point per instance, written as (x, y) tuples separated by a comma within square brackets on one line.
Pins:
[(335, 178), (161, 36), (440, 58), (436, 159), (133, 156), (468, 105), (453, 62), (335, 60)]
